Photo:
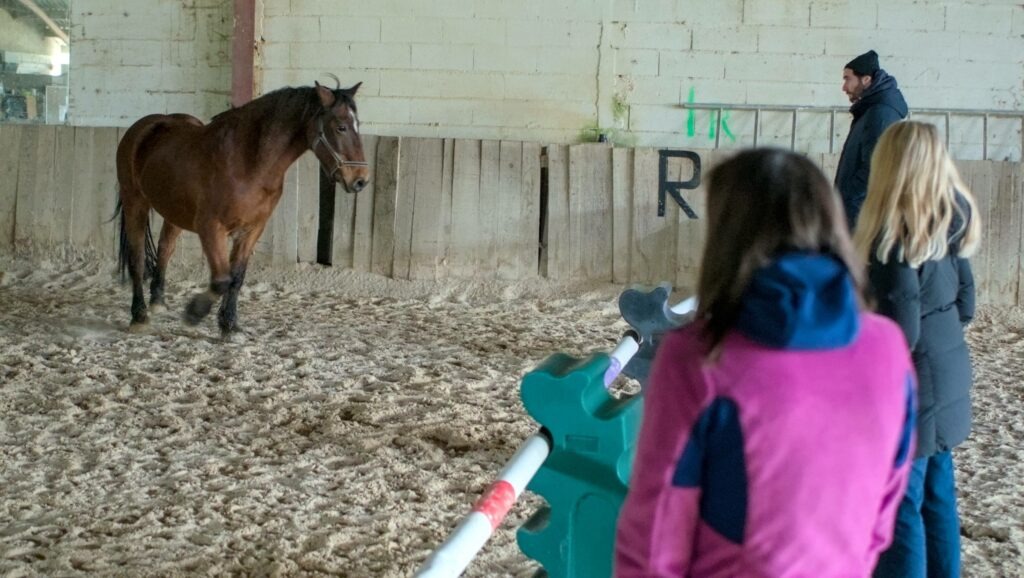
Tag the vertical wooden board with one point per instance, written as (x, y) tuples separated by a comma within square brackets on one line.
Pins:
[(405, 199), (10, 153), (529, 253), (63, 184), (425, 250), (829, 164), (362, 220), (307, 206), (463, 257), (590, 220), (978, 180), (94, 190), (693, 232), (1019, 192), (344, 224), (284, 220), (34, 210), (622, 212), (447, 174), (385, 195), (654, 246), (489, 203), (509, 225), (116, 239), (1004, 234), (557, 264)]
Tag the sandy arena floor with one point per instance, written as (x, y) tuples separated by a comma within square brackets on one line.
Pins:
[(345, 435)]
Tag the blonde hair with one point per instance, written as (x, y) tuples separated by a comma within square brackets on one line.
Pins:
[(912, 197)]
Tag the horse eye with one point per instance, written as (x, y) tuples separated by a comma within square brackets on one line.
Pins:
[(342, 128)]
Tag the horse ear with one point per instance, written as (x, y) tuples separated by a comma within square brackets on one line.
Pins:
[(326, 95), (352, 91)]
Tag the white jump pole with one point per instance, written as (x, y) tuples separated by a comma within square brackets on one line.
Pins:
[(685, 306), (620, 356), (451, 558)]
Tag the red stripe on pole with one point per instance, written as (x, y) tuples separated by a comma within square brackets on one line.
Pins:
[(496, 502)]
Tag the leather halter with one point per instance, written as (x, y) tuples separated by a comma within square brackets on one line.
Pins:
[(340, 162)]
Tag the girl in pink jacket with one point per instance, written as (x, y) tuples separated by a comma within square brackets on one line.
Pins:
[(778, 425)]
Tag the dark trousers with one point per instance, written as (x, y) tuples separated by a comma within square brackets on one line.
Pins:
[(926, 543)]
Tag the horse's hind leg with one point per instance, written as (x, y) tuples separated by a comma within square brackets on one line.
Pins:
[(227, 317), (134, 223), (214, 240), (168, 239)]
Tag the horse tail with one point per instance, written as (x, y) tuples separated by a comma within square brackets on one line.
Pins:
[(124, 248)]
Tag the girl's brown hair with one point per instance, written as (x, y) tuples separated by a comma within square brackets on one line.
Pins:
[(761, 203)]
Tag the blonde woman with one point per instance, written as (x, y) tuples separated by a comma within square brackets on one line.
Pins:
[(916, 230)]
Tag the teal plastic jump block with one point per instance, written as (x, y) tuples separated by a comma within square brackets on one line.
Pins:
[(585, 478)]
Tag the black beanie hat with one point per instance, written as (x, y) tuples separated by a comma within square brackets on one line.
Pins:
[(864, 65)]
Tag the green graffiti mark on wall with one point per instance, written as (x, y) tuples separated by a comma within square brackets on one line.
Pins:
[(691, 120)]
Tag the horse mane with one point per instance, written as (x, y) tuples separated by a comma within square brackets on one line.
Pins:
[(279, 112), (283, 104), (286, 105)]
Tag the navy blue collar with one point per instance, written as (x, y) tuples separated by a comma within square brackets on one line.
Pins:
[(801, 300)]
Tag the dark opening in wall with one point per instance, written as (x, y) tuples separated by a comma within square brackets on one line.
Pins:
[(542, 259), (325, 227)]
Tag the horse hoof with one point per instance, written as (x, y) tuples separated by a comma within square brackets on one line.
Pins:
[(198, 308), (139, 327), (157, 308), (234, 336)]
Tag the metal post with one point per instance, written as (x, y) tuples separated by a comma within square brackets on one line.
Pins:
[(832, 133), (757, 124), (718, 128), (947, 131), (792, 133), (984, 135)]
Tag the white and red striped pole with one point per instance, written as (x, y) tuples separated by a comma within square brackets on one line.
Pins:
[(451, 558)]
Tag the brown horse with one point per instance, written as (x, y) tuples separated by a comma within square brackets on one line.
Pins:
[(222, 180)]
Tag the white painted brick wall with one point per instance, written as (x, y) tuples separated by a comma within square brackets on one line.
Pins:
[(790, 40), (899, 16), (418, 30), (547, 33), (636, 62), (473, 31), (133, 59), (543, 69), (442, 57), (776, 12), (845, 15), (996, 20), (724, 40), (340, 29)]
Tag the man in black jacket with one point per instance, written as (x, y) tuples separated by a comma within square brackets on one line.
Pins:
[(877, 103)]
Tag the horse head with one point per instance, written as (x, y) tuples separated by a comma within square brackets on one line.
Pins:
[(336, 141)]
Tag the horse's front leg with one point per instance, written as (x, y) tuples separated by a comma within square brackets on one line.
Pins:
[(240, 252), (214, 240)]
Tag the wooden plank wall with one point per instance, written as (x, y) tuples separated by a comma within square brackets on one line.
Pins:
[(998, 188), (10, 152), (456, 208), (441, 208)]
